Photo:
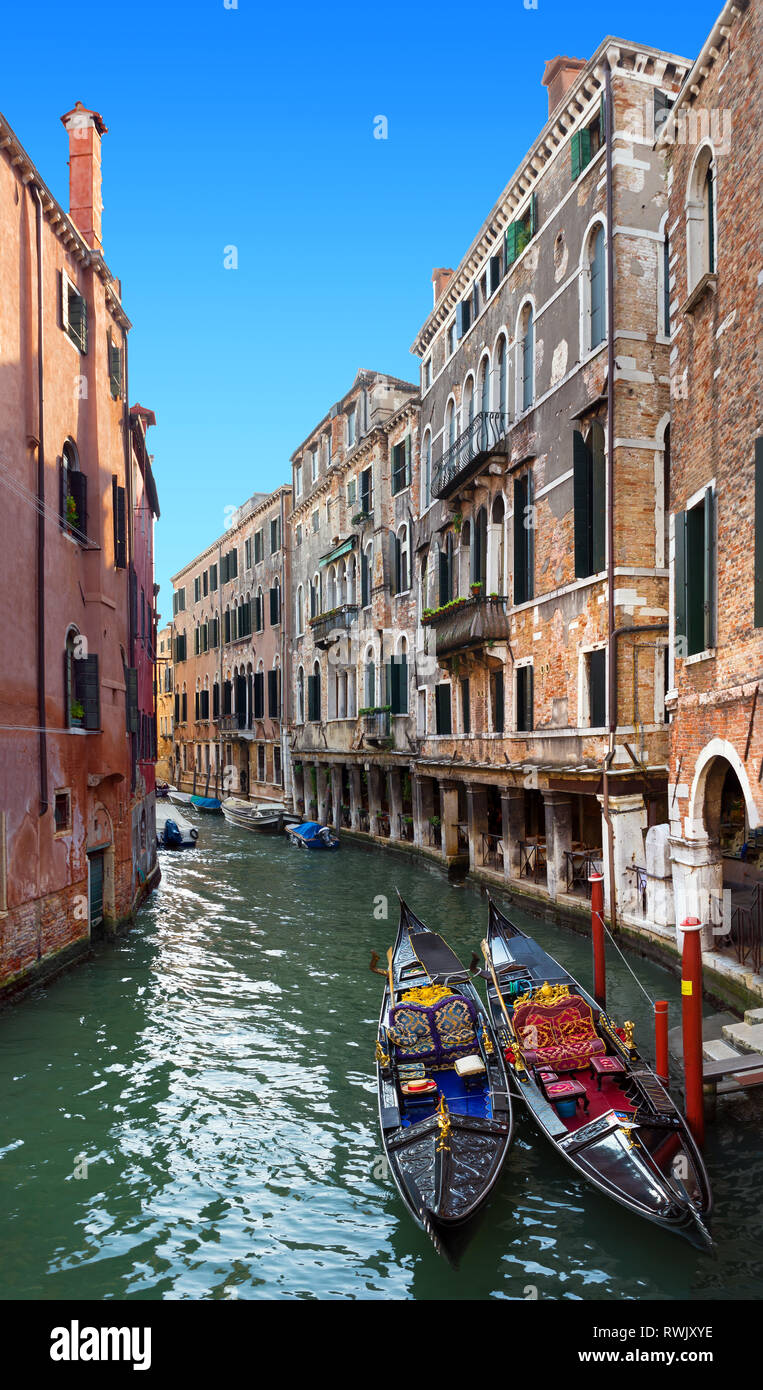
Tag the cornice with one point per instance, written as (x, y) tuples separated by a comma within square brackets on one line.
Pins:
[(711, 52)]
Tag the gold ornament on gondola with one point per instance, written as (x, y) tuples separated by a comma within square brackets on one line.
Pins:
[(487, 1040), (443, 1120), (381, 1055)]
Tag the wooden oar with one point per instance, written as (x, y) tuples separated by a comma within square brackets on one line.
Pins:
[(512, 1035), (391, 977)]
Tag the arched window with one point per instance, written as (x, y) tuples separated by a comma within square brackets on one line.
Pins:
[(484, 402), (463, 561), (73, 492), (402, 560), (426, 474), (300, 611), (700, 218), (526, 358), (300, 696), (352, 574), (496, 547), (503, 382), (450, 423), (314, 695), (596, 270), (331, 598), (366, 571), (397, 693), (445, 575), (478, 568), (369, 679)]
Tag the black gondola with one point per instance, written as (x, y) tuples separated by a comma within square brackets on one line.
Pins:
[(589, 1090), (444, 1103)]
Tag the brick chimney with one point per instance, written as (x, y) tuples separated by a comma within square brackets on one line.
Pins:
[(85, 129), (440, 280), (558, 78)]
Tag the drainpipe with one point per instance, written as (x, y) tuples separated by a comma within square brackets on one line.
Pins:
[(43, 738), (611, 637)]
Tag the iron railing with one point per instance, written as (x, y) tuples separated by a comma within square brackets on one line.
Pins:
[(747, 930), (483, 436), (327, 627), (377, 724)]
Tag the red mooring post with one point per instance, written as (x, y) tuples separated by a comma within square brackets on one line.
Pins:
[(691, 1012), (597, 931), (662, 1066)]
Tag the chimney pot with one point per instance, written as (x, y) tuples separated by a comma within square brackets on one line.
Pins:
[(559, 76), (441, 277), (85, 129)]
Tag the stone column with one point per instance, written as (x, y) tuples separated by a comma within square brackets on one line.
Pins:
[(698, 885), (336, 794), (298, 786), (449, 818), (395, 802), (558, 809), (322, 793), (423, 808), (629, 820), (660, 905), (476, 804), (355, 796), (374, 797), (513, 825)]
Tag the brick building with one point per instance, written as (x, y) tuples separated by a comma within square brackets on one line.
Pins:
[(230, 628), (353, 597), (165, 707), (71, 788), (541, 547), (711, 144)]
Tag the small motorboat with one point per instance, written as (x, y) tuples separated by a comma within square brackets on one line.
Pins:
[(444, 1102), (206, 803), (268, 818), (311, 835), (179, 798), (588, 1089), (173, 831)]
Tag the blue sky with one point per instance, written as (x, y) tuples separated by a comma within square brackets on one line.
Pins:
[(253, 127)]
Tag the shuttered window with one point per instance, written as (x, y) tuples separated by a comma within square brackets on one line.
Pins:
[(466, 716), (87, 690), (204, 704), (275, 605), (463, 317), (115, 368), (445, 570), (212, 578), (314, 699), (177, 708), (75, 505), (274, 702), (598, 282), (443, 723), (257, 547), (131, 698), (401, 465), (180, 647), (366, 491), (184, 708), (73, 312), (497, 700), (215, 701), (523, 539), (524, 698), (397, 684), (580, 152), (259, 695), (520, 232), (365, 581), (694, 577), (589, 498), (597, 688)]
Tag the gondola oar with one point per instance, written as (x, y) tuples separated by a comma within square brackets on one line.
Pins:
[(518, 1059)]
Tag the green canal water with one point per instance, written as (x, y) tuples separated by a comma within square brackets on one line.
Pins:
[(192, 1114)]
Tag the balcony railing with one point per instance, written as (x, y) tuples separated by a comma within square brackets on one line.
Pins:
[(231, 723), (328, 627), (469, 623), (376, 724), (485, 435)]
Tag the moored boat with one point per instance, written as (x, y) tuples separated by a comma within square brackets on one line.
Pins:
[(589, 1090), (266, 818), (206, 803), (311, 835), (179, 798), (173, 831), (444, 1103)]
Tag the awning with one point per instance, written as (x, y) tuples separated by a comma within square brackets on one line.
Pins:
[(342, 549)]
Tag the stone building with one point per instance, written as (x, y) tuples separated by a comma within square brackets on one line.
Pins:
[(541, 549), (355, 492), (165, 707), (230, 629), (71, 787), (711, 143)]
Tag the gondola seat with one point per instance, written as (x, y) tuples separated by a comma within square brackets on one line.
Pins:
[(561, 1035), (454, 1020), (412, 1032), (438, 1034)]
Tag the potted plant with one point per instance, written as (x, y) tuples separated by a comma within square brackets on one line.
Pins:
[(76, 712), (476, 588), (72, 515)]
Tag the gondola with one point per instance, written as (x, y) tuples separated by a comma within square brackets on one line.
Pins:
[(588, 1089), (444, 1103)]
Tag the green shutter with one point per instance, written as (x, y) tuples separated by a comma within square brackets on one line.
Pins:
[(533, 214), (575, 155), (598, 511), (758, 575), (709, 570), (520, 543), (581, 490), (512, 242), (87, 690), (407, 459), (131, 681), (679, 581)]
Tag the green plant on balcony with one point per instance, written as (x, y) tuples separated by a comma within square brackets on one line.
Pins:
[(430, 615), (458, 521), (72, 515), (360, 518), (375, 709), (476, 588), (76, 711)]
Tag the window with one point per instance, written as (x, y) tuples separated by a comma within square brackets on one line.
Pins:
[(327, 443), (442, 708), (590, 501), (259, 694), (596, 676), (367, 492), (463, 316), (314, 695), (694, 577), (82, 701), (205, 583), (298, 480), (426, 481), (526, 357), (452, 340), (365, 576), (73, 483), (596, 286), (350, 428), (397, 677), (258, 546), (212, 578), (663, 102), (277, 773), (700, 219), (586, 143), (300, 696), (524, 678), (300, 611), (115, 367), (524, 533), (315, 465), (316, 519), (426, 374), (298, 536), (197, 589), (466, 713), (248, 553), (401, 464), (119, 514), (503, 382), (497, 701), (73, 313), (275, 535), (445, 570), (62, 812), (229, 566), (180, 647), (274, 694), (494, 272), (664, 285), (352, 492), (401, 554), (521, 231), (259, 611), (478, 550)]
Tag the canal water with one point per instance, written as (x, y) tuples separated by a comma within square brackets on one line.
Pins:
[(192, 1113)]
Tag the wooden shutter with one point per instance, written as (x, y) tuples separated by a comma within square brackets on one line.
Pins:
[(512, 242), (274, 606), (184, 707), (312, 701), (87, 690), (215, 701), (273, 701), (442, 708), (597, 688), (365, 587), (131, 698), (580, 152), (120, 524), (598, 510), (115, 369), (533, 214), (212, 577), (709, 570), (498, 700), (177, 707), (407, 460), (581, 489), (460, 330), (259, 695), (679, 580), (520, 541), (494, 272)]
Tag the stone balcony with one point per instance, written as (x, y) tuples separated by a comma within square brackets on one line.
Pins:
[(468, 624), (328, 628)]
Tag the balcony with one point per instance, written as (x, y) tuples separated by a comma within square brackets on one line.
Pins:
[(467, 624), (329, 627), (231, 723), (376, 725), (484, 437)]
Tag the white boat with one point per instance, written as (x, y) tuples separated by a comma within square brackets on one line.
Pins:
[(267, 817), (186, 836), (179, 798)]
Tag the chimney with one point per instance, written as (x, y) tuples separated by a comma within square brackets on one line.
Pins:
[(441, 278), (85, 129), (558, 78)]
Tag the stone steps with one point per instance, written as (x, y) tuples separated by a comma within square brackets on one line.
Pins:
[(746, 1037)]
